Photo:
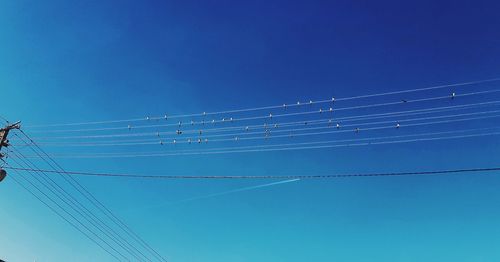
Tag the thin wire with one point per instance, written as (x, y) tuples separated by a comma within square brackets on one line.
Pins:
[(196, 130), (53, 183), (332, 132), (324, 141), (316, 111), (240, 135), (321, 147), (280, 124), (50, 186), (106, 211), (237, 150), (78, 207), (424, 89), (272, 107), (4, 119), (92, 199), (60, 215), (427, 172), (279, 145)]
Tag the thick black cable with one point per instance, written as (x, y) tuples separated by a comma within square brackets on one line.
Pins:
[(428, 172)]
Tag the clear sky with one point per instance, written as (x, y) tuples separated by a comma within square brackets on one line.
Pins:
[(71, 61)]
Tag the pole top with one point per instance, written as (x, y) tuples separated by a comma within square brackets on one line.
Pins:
[(15, 125)]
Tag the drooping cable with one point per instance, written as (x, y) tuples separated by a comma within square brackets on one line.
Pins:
[(286, 176)]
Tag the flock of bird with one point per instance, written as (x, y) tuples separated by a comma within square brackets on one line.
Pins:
[(446, 112), (437, 112)]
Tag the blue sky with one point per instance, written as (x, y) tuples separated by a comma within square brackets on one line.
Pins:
[(70, 61)]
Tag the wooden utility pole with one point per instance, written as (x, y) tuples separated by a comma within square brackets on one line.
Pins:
[(4, 132), (4, 142)]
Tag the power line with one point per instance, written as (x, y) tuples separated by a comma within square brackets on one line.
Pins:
[(82, 210), (59, 214), (307, 134), (73, 217), (291, 148), (80, 188), (425, 172), (324, 142), (91, 198), (48, 183), (281, 124), (5, 119), (332, 100), (242, 135), (63, 196)]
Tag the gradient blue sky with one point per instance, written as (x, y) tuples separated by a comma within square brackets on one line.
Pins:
[(67, 61)]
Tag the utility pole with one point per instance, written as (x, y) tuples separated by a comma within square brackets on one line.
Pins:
[(4, 142)]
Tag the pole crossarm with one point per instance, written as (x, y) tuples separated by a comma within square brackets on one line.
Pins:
[(4, 132)]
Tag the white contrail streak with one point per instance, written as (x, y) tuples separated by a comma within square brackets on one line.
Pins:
[(232, 191), (237, 190)]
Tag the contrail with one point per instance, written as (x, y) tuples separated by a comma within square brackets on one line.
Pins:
[(236, 190), (222, 193)]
